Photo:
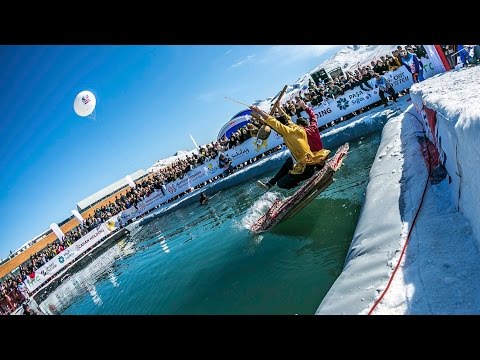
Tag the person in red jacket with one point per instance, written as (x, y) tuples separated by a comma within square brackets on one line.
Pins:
[(304, 142), (311, 128)]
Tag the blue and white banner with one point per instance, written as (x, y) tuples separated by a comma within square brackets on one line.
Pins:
[(352, 100), (355, 99), (43, 273), (240, 154)]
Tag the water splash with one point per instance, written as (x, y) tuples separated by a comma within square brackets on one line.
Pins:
[(260, 208)]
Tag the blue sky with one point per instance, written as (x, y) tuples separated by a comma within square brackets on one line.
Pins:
[(149, 99)]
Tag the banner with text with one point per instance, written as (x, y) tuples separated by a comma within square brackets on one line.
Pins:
[(240, 154), (43, 273), (351, 101), (355, 99)]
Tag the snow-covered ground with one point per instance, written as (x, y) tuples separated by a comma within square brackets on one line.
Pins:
[(439, 272), (455, 96)]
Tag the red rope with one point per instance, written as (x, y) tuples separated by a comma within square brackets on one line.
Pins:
[(406, 241)]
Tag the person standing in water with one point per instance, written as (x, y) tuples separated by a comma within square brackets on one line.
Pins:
[(203, 199)]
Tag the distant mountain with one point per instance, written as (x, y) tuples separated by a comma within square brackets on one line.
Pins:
[(180, 154), (354, 55), (348, 58)]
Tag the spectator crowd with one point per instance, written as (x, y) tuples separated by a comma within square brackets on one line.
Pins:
[(366, 77)]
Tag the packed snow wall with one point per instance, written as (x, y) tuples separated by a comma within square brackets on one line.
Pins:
[(449, 109)]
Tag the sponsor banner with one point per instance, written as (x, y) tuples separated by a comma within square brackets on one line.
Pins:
[(355, 99), (127, 214), (435, 58), (441, 132), (328, 111), (154, 199), (253, 147), (61, 260), (351, 101), (240, 154)]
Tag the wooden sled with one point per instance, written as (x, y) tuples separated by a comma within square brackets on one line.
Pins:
[(282, 210)]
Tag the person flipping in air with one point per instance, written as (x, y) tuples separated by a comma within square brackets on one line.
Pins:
[(304, 142)]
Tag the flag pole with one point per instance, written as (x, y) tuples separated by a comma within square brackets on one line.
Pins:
[(196, 146), (238, 102)]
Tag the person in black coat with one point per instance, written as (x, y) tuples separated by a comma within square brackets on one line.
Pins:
[(203, 199)]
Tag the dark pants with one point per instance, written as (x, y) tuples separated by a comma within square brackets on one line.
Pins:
[(285, 180), (475, 59), (452, 60), (391, 92), (228, 171)]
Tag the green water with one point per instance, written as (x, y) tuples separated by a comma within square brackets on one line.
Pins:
[(203, 260)]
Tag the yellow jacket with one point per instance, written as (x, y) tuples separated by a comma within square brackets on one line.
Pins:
[(295, 138)]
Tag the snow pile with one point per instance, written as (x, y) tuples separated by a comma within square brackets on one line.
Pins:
[(440, 270), (456, 98)]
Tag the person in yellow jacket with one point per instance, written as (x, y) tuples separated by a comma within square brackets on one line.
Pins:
[(304, 142)]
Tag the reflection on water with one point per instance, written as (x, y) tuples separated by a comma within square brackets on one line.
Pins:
[(113, 278), (204, 260), (74, 286)]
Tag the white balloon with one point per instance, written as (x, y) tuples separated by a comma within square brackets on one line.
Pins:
[(84, 103)]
